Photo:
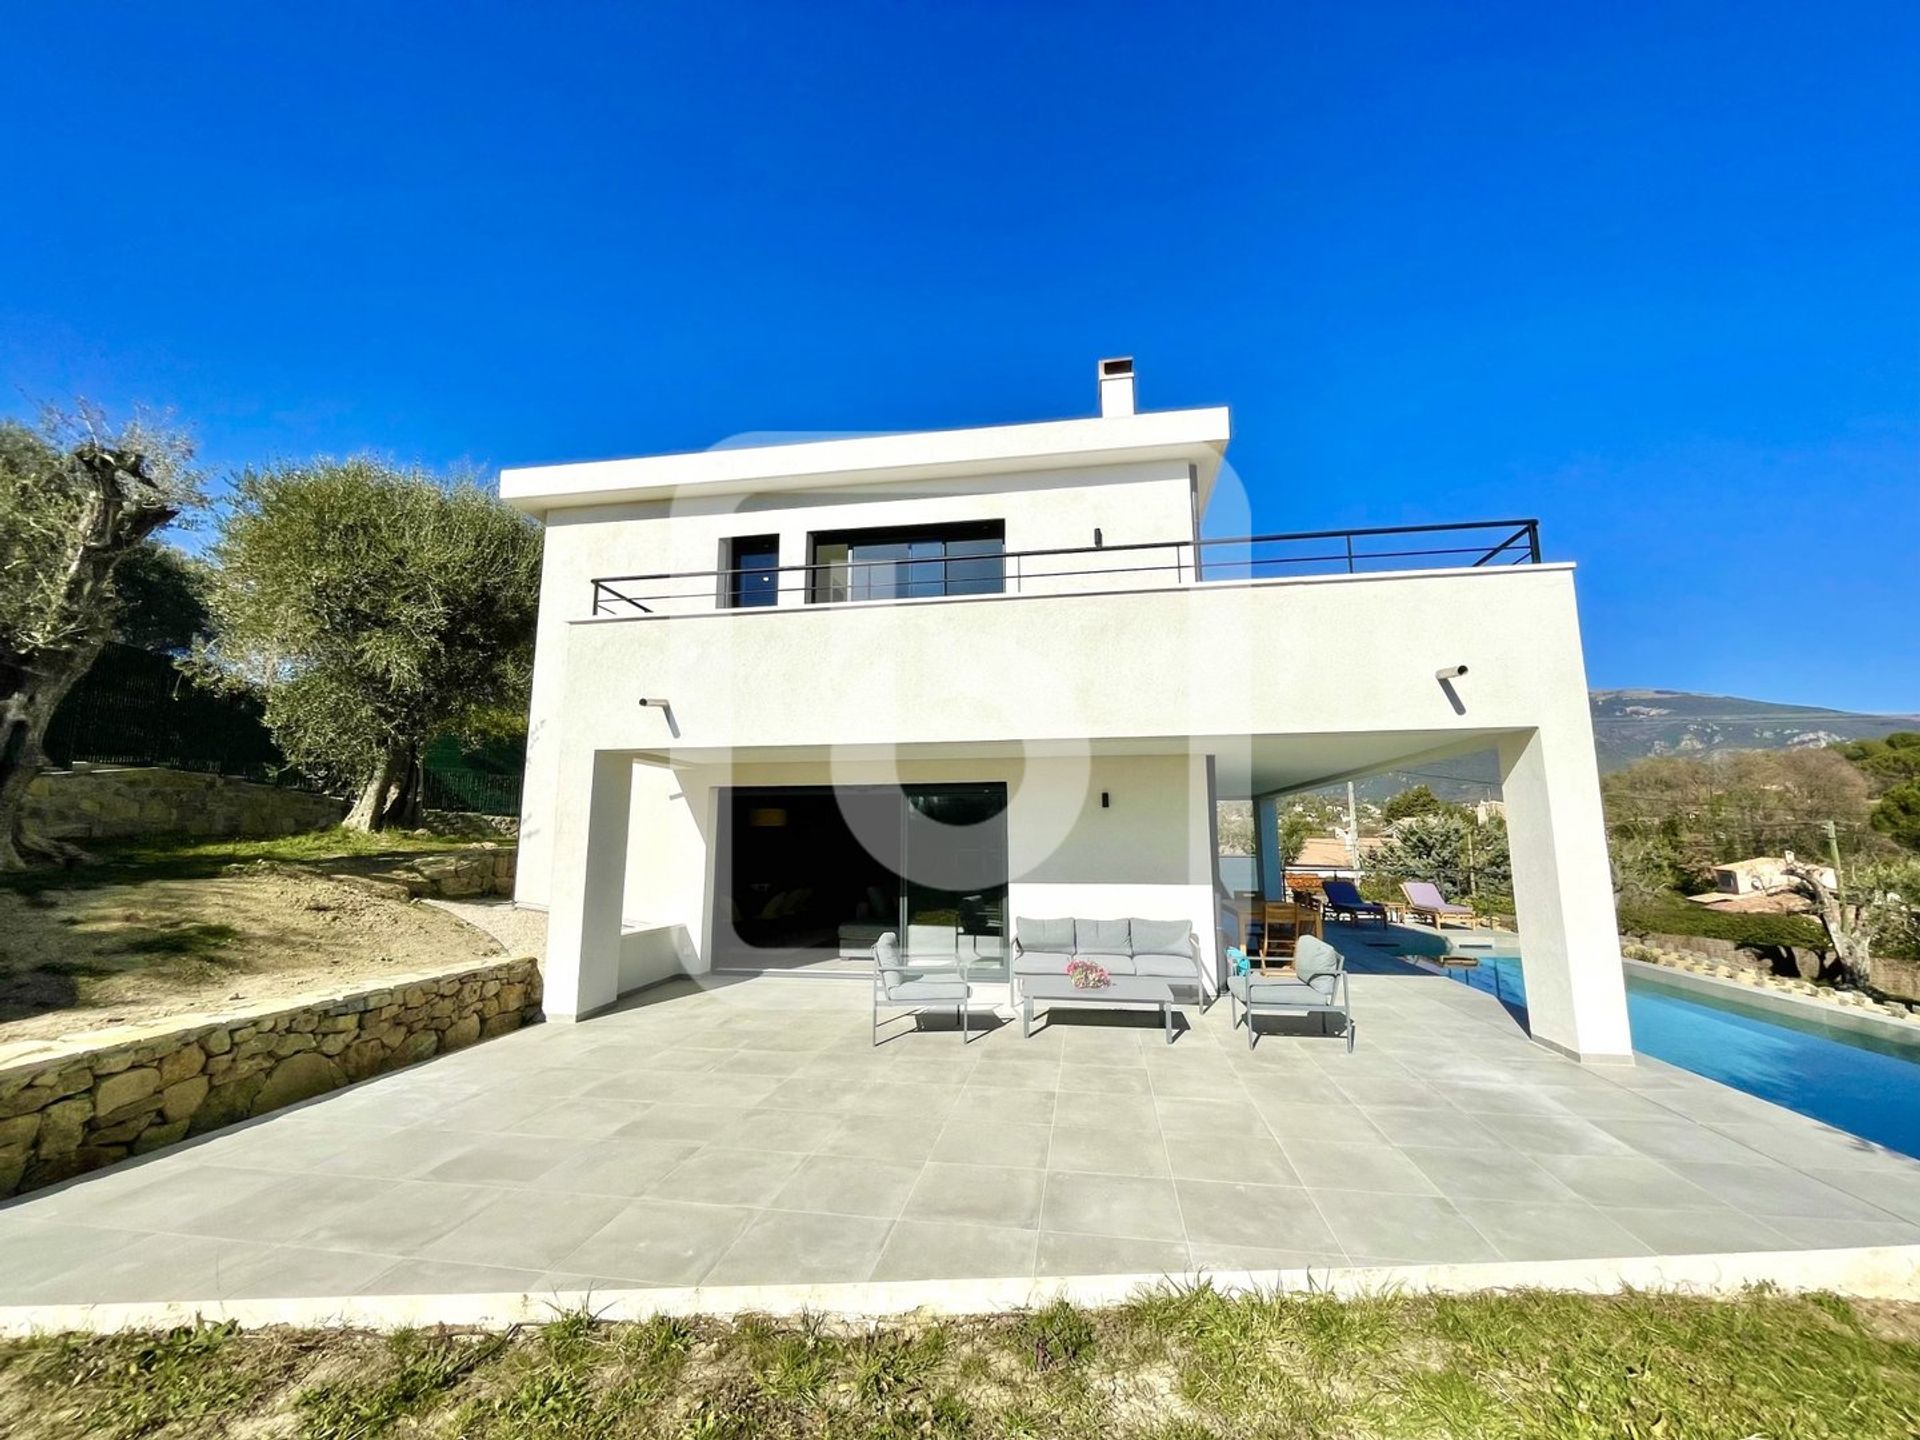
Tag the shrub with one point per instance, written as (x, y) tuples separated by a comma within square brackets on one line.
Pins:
[(1674, 916)]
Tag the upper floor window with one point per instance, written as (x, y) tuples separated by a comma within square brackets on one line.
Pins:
[(909, 562), (753, 571)]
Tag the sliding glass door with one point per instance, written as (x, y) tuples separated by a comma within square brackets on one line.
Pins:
[(954, 874), (909, 564), (813, 873)]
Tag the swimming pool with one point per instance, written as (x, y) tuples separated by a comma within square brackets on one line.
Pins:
[(1861, 1083)]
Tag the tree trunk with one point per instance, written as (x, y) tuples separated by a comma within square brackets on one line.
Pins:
[(403, 806), (123, 508), (33, 688), (1852, 948), (391, 797)]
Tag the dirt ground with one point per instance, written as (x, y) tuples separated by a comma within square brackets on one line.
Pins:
[(134, 949)]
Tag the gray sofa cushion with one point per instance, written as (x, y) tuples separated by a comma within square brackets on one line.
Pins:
[(1263, 990), (1035, 934), (929, 991), (1041, 962), (1166, 967), (886, 952), (1162, 937), (1317, 963), (1101, 937)]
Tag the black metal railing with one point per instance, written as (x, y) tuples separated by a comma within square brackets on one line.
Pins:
[(1056, 571)]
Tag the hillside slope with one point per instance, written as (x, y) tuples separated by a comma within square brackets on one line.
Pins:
[(1629, 725)]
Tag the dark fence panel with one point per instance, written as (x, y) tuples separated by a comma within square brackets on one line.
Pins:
[(476, 791), (135, 708)]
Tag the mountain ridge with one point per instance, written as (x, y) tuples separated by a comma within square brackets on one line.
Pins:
[(1633, 724), (1638, 723)]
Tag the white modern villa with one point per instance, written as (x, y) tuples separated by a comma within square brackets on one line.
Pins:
[(791, 696)]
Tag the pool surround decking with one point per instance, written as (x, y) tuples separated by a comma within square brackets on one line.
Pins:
[(746, 1133)]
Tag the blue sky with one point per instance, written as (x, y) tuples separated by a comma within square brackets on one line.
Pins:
[(1649, 272)]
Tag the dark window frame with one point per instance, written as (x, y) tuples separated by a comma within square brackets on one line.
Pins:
[(857, 580)]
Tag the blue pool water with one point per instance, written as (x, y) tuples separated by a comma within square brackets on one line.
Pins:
[(1860, 1083)]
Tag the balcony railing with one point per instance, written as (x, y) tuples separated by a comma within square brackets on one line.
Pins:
[(1469, 545)]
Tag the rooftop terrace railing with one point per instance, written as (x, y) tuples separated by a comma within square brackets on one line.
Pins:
[(1468, 545)]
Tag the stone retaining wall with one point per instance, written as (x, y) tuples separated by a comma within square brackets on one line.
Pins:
[(484, 869), (73, 1105), (127, 803)]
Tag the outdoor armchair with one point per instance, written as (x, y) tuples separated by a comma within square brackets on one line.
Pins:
[(1317, 986), (901, 985)]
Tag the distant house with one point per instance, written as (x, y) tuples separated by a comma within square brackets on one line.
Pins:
[(1323, 857), (1759, 885)]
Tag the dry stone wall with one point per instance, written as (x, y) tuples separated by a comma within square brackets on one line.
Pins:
[(70, 1106), (127, 803)]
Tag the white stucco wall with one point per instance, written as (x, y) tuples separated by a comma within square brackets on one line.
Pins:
[(1148, 853), (1082, 680), (1324, 656), (1134, 504)]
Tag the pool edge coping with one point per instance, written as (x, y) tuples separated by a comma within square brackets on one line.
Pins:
[(1824, 1012)]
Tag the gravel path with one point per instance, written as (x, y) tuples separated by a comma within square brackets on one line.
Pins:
[(522, 932)]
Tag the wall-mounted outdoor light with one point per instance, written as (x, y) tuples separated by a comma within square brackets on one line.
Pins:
[(1452, 672), (665, 707), (1446, 676), (1106, 799)]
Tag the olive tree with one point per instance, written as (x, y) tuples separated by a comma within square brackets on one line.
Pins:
[(377, 608), (77, 496), (1450, 849)]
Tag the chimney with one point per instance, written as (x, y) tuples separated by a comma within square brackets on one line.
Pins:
[(1116, 386)]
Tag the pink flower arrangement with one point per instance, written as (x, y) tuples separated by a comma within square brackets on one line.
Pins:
[(1088, 976)]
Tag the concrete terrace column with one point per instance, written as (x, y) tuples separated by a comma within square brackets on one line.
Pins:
[(1563, 890), (589, 873)]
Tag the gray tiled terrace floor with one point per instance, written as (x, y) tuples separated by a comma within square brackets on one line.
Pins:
[(747, 1133)]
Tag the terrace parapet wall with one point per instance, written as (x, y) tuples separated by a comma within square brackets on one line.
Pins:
[(73, 1105)]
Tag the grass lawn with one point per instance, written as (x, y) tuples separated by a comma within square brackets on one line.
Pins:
[(1177, 1365), (159, 928)]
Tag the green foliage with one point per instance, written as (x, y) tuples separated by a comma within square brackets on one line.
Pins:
[(1175, 1364), (418, 1373), (1896, 814), (379, 608), (1886, 763), (1886, 897), (1685, 815), (1672, 915), (1059, 1335), (184, 1381), (163, 605), (1420, 800), (52, 483), (1450, 849)]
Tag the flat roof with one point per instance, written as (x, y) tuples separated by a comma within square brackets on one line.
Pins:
[(1197, 437)]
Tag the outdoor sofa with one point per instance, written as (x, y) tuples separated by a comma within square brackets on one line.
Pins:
[(1318, 985), (1151, 949)]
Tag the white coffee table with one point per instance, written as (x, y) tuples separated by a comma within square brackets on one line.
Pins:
[(1122, 992)]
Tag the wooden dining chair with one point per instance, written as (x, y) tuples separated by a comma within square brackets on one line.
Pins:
[(1282, 923)]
